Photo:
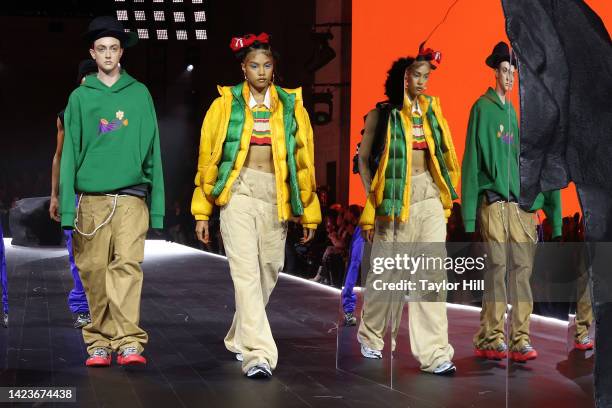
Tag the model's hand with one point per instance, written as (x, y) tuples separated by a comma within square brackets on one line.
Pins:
[(54, 209), (202, 231), (308, 235), (368, 235)]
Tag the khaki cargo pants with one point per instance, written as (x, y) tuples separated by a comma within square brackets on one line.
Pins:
[(109, 267)]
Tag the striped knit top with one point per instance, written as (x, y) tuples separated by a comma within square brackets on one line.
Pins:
[(419, 142), (262, 132)]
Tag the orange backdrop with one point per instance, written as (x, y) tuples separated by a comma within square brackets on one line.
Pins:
[(388, 29)]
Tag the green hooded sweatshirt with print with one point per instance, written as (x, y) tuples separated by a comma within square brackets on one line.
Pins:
[(491, 161), (111, 142)]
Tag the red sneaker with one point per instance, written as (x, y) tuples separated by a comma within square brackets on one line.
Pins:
[(99, 358), (525, 354), (585, 344), (498, 353), (130, 356)]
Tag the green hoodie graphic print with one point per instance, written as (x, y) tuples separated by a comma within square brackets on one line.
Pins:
[(491, 161), (111, 142)]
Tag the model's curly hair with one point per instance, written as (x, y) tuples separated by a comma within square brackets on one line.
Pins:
[(394, 84)]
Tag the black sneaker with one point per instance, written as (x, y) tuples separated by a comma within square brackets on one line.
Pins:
[(82, 320), (261, 370), (349, 319)]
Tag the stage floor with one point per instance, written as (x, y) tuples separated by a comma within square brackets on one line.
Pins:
[(187, 306)]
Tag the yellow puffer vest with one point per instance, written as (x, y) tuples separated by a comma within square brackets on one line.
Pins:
[(375, 196), (214, 131)]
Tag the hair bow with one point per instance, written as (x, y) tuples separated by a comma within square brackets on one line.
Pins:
[(239, 43), (429, 55)]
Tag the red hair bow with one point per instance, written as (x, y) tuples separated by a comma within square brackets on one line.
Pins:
[(239, 43), (429, 54)]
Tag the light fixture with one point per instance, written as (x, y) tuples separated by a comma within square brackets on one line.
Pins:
[(199, 16), (323, 52), (122, 15), (189, 68), (179, 17), (181, 35), (159, 15), (201, 34), (139, 15), (162, 34), (143, 33), (325, 99)]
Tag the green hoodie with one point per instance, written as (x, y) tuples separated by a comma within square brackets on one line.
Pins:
[(491, 159), (111, 142)]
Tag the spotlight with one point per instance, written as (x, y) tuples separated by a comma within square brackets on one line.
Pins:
[(159, 15), (181, 35), (323, 117), (122, 15), (199, 16), (197, 1), (189, 68), (158, 1), (201, 34), (139, 15), (162, 34), (179, 17), (143, 33), (323, 52)]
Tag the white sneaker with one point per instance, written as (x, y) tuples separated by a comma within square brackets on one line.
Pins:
[(445, 368), (261, 370), (368, 352), (239, 357)]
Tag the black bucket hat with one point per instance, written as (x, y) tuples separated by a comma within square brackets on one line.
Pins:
[(501, 53), (108, 26)]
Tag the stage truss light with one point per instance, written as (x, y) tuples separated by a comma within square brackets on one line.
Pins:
[(179, 17), (182, 20), (122, 15), (181, 35), (162, 34), (199, 16)]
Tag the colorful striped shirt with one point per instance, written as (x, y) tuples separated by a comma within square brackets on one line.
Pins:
[(262, 132)]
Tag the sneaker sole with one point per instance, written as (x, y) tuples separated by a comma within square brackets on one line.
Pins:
[(491, 354), (583, 347), (523, 358), (89, 363), (132, 362)]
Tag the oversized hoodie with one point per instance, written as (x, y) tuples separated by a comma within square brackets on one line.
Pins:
[(111, 142), (491, 161)]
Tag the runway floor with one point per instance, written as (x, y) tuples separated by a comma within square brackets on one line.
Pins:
[(187, 306)]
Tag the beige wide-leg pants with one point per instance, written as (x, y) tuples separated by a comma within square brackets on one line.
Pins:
[(427, 320), (254, 241)]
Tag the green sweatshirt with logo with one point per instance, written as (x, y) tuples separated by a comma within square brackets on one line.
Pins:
[(491, 161), (111, 142)]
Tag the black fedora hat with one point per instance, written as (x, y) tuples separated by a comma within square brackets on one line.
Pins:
[(108, 26), (501, 53)]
